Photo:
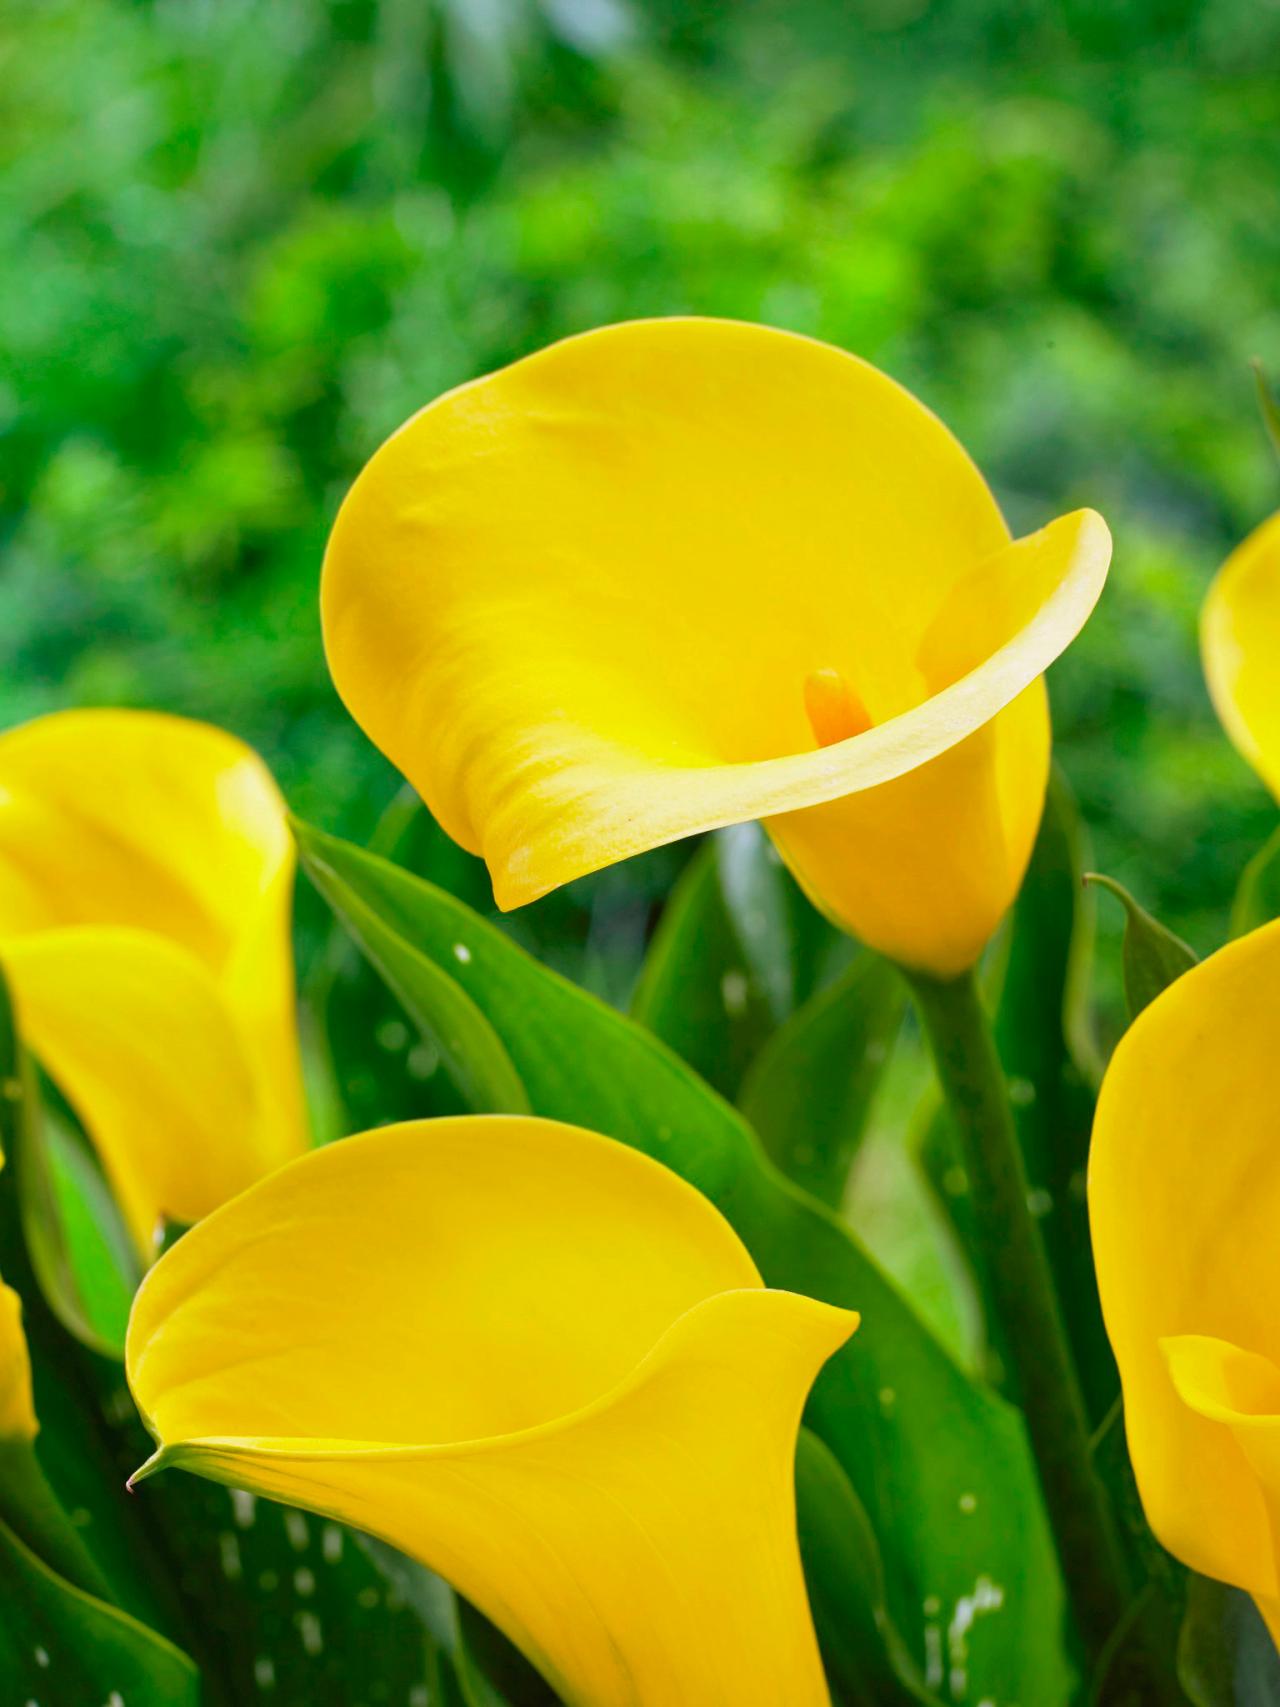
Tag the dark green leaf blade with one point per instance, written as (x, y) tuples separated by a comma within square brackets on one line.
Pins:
[(698, 991), (1257, 897), (473, 1053), (58, 1644), (810, 1091), (1226, 1658), (1153, 956), (866, 1660)]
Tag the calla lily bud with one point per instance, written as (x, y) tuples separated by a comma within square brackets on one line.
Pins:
[(146, 879), (532, 1358), (1240, 645), (679, 574), (1184, 1201)]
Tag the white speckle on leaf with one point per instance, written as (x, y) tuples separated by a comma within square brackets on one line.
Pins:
[(311, 1633), (392, 1035), (42, 1658), (986, 1597), (968, 1504), (229, 1547), (888, 1398), (295, 1527), (1022, 1093), (331, 1543), (461, 953), (304, 1581), (243, 1507), (264, 1672), (422, 1061), (734, 990), (1039, 1202), (932, 1655)]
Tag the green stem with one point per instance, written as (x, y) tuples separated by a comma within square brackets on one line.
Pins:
[(1020, 1284)]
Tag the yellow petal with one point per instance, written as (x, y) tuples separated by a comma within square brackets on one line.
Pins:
[(17, 1408), (139, 1038), (583, 605), (153, 827), (1240, 644), (532, 1358), (1239, 1391), (1184, 1200)]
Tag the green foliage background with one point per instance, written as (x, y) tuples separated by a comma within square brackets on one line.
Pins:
[(242, 239)]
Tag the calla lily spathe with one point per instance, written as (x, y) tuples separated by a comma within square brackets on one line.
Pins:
[(678, 574), (1184, 1201), (146, 878), (1240, 645), (17, 1407), (535, 1360)]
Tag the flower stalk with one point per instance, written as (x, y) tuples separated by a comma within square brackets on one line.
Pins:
[(1015, 1267)]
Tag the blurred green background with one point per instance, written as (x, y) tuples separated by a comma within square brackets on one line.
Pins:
[(243, 239)]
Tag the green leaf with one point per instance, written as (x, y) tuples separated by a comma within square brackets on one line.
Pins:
[(471, 1049), (940, 1464), (1226, 1657), (790, 948), (61, 1645), (737, 949), (48, 1164), (1153, 956), (698, 990), (34, 1513), (1257, 897), (866, 1660), (810, 1091)]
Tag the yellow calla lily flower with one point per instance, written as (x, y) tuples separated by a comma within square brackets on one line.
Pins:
[(17, 1407), (679, 574), (534, 1359), (1240, 645), (146, 880), (1184, 1200)]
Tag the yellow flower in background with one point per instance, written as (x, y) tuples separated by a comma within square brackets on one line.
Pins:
[(679, 574), (146, 880), (1184, 1201), (1240, 644), (17, 1407), (532, 1358)]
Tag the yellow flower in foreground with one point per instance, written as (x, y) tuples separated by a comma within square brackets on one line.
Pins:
[(17, 1408), (532, 1358), (679, 574), (146, 879), (1240, 644), (1184, 1200)]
